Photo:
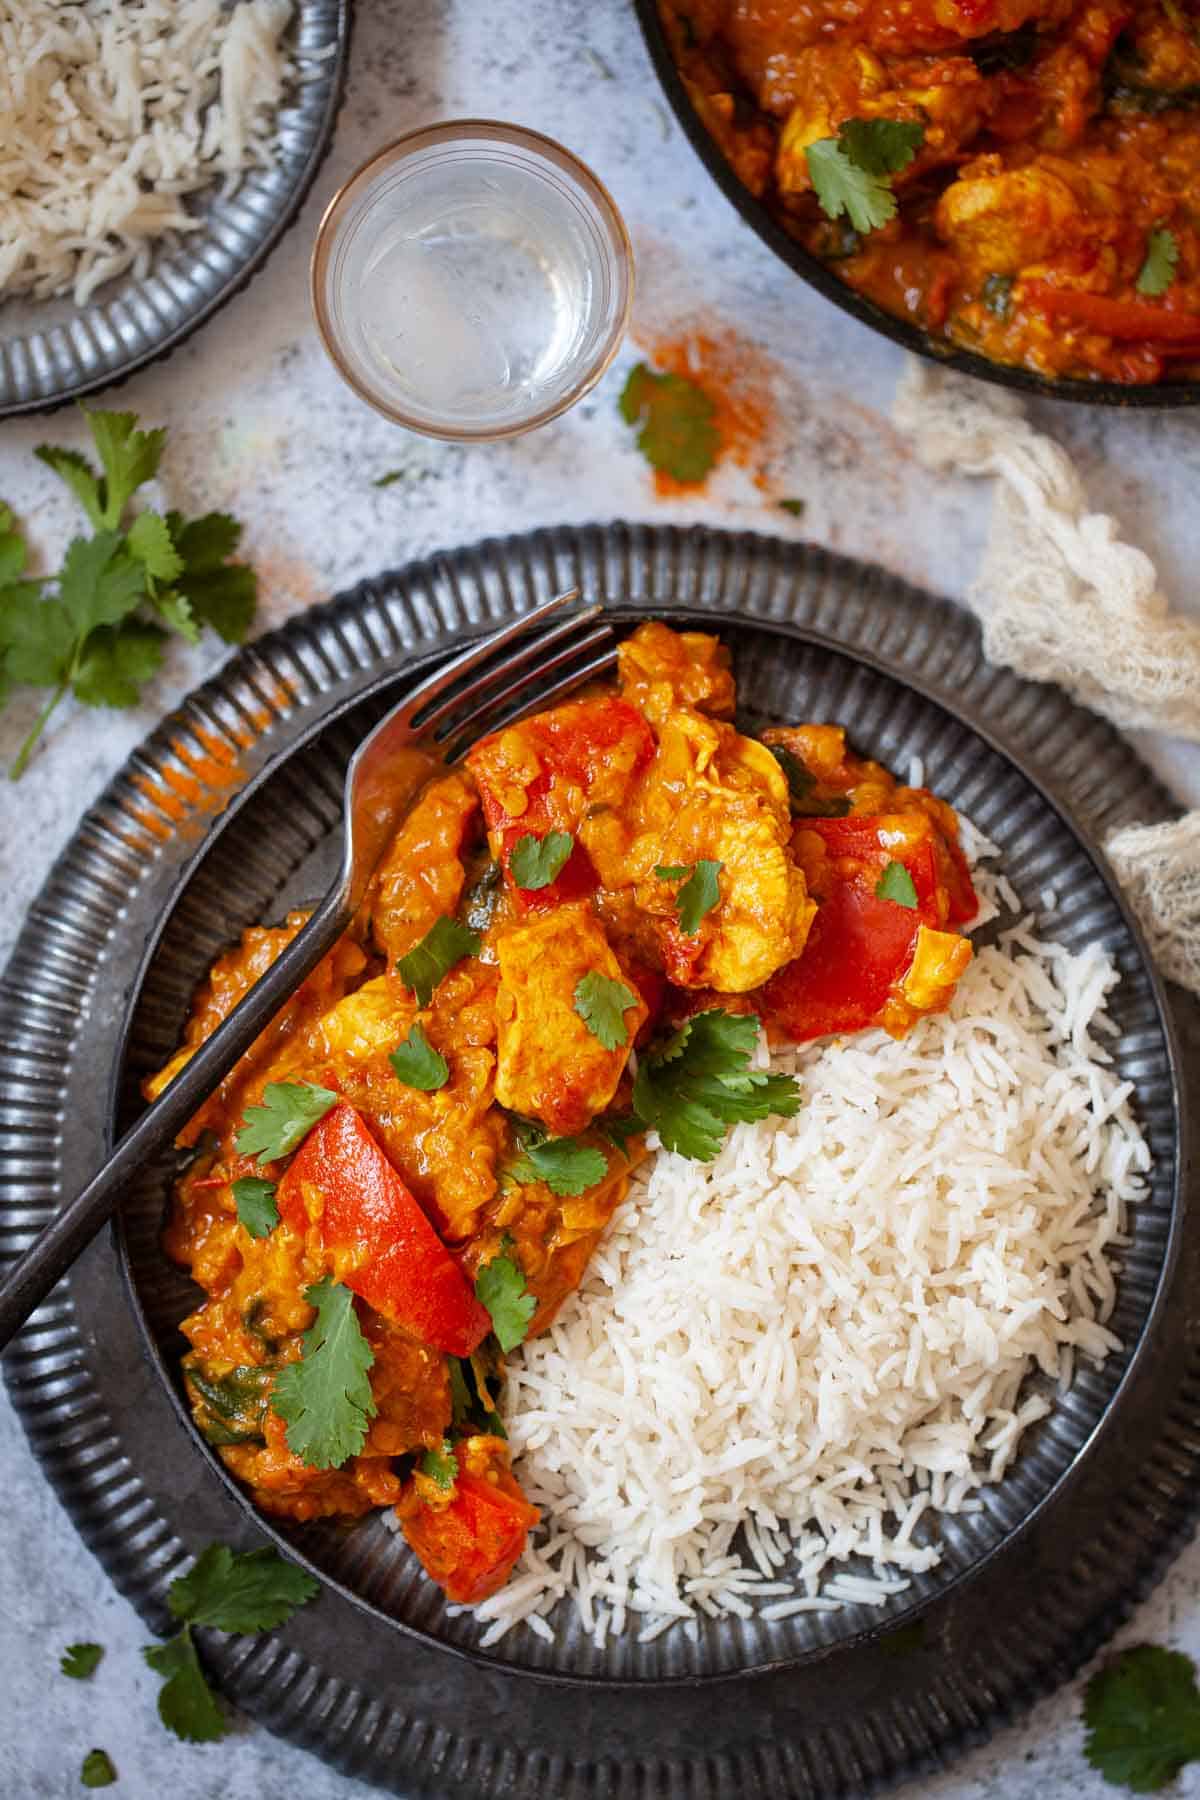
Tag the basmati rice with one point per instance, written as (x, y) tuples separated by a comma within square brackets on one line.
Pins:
[(778, 1363), (113, 111)]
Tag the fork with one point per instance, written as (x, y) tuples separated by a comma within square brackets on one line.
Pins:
[(477, 692)]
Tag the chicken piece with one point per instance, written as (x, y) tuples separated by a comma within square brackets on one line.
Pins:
[(659, 668), (938, 960), (550, 1065), (421, 877), (765, 36), (1007, 219), (711, 795), (836, 82)]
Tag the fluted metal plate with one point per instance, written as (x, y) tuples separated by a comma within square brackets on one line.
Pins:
[(226, 816), (53, 351)]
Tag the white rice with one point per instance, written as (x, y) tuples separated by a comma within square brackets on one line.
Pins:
[(783, 1360), (113, 111)]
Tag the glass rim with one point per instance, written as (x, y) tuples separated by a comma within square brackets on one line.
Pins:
[(451, 131)]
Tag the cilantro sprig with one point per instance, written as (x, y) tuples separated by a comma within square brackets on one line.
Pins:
[(441, 1465), (699, 1082), (96, 1770), (288, 1112), (699, 893), (254, 1198), (418, 1065), (678, 430), (240, 1591), (1142, 1712), (567, 1166), (1162, 258), (535, 862), (80, 1661), (97, 628), (602, 1004), (897, 884), (429, 962), (326, 1397), (852, 172), (500, 1287)]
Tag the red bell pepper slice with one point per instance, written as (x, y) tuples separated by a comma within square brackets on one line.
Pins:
[(386, 1249), (576, 746), (470, 1546), (1134, 320), (859, 945)]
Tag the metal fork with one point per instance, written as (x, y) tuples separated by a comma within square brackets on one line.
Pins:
[(476, 692)]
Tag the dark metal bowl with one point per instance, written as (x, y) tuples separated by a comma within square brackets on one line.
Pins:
[(815, 272)]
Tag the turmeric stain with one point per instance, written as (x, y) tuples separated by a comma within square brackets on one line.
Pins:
[(740, 379)]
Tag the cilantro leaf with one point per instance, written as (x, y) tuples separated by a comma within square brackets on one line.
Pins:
[(80, 477), (441, 1465), (897, 884), (128, 456), (288, 1113), (679, 434), (1142, 1712), (149, 542), (842, 187), (535, 862), (81, 1660), (430, 961), (114, 661), (700, 1081), (37, 636), (326, 1397), (996, 294), (418, 1064), (383, 481), (243, 1591), (206, 542), (797, 508), (618, 1128), (565, 1165), (852, 173), (99, 582), (881, 146), (97, 1770), (500, 1287), (461, 1401), (13, 553), (175, 609), (470, 1401), (800, 787), (601, 1003), (256, 1208), (217, 592), (1162, 257), (698, 895), (670, 871), (186, 1703)]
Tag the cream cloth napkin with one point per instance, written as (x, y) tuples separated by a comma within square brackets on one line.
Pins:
[(1063, 598)]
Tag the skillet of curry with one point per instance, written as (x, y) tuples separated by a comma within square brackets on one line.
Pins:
[(1050, 216)]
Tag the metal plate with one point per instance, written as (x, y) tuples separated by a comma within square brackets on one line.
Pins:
[(1169, 392), (375, 1677), (52, 351)]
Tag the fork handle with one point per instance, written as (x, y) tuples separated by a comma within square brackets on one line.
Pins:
[(71, 1230)]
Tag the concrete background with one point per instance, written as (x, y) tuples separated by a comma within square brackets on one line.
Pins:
[(259, 423)]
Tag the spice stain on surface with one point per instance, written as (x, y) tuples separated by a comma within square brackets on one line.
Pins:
[(741, 380)]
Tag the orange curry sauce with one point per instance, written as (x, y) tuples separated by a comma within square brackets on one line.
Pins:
[(836, 903), (1059, 135)]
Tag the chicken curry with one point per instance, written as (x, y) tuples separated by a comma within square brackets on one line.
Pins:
[(571, 942), (1021, 177)]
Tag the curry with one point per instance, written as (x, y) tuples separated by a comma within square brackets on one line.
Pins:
[(1049, 212), (583, 919)]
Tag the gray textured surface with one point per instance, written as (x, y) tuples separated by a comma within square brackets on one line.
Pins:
[(260, 422)]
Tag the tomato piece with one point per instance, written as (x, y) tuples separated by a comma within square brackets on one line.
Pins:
[(340, 1184), (859, 944), (1120, 319), (543, 774), (470, 1545)]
